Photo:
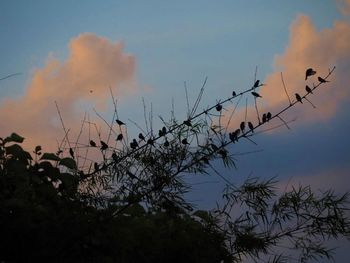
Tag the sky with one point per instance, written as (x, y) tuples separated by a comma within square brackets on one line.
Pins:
[(73, 52)]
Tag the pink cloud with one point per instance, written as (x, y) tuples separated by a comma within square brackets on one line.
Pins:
[(93, 66), (320, 50)]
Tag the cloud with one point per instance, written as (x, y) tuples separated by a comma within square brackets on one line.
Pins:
[(320, 50), (94, 64), (344, 6)]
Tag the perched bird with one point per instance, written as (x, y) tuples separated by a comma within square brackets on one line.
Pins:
[(71, 152), (115, 157), (92, 143), (309, 72), (234, 94), (255, 94), (268, 116), (150, 141), (242, 126), (298, 97), (232, 136), (184, 141), (160, 133), (104, 146), (256, 84), (308, 89), (166, 143), (188, 123), (119, 122), (134, 144), (164, 130), (322, 80), (96, 167), (251, 126), (264, 118), (237, 132), (218, 107), (141, 137), (120, 137)]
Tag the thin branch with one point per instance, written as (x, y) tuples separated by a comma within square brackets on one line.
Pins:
[(285, 89)]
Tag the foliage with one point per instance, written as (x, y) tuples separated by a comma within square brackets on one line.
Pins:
[(130, 207)]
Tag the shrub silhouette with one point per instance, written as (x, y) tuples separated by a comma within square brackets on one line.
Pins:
[(131, 207)]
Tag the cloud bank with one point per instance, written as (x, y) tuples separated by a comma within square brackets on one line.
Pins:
[(320, 50), (94, 64)]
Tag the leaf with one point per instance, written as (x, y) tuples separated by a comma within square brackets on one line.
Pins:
[(69, 163), (14, 137), (17, 151), (50, 156)]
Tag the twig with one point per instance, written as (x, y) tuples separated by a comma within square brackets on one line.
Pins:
[(285, 89), (9, 76)]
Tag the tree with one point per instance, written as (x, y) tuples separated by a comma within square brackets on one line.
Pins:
[(131, 207)]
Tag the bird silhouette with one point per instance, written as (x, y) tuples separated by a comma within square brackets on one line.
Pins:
[(234, 94), (150, 141), (256, 84), (188, 123), (120, 137), (232, 136), (309, 72), (298, 97), (96, 167), (251, 126), (115, 157), (237, 132), (218, 107), (242, 126), (92, 143), (119, 122), (184, 141), (141, 137), (268, 116), (166, 143), (160, 133), (322, 80), (104, 146), (256, 95), (134, 144), (308, 89), (264, 118), (71, 152)]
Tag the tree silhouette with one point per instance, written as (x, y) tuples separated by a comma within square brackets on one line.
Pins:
[(130, 207)]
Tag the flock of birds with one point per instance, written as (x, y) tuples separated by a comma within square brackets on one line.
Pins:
[(134, 144)]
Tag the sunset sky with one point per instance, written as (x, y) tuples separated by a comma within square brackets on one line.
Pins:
[(148, 49)]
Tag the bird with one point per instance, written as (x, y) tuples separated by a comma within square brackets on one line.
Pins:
[(92, 143), (251, 126), (160, 133), (298, 97), (120, 137), (308, 89), (71, 152), (322, 80), (141, 137), (119, 122), (232, 136), (309, 72), (218, 107), (104, 146), (237, 132), (115, 157), (234, 94), (264, 118), (96, 167), (188, 123), (256, 84), (134, 144), (184, 141), (166, 143), (242, 126), (255, 94), (164, 130), (268, 116), (150, 141)]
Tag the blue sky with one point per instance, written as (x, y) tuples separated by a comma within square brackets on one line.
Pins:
[(176, 41)]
